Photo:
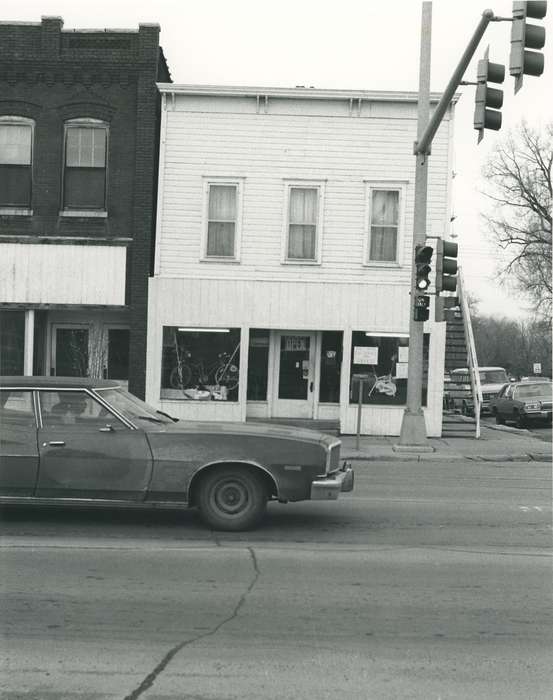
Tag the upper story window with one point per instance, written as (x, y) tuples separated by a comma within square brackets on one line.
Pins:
[(303, 225), (85, 165), (222, 229), (384, 224), (16, 153)]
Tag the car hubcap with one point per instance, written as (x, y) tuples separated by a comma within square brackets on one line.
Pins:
[(230, 497)]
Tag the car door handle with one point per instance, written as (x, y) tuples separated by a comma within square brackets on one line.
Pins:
[(311, 386), (107, 429), (55, 443)]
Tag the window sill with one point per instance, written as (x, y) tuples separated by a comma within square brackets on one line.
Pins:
[(382, 263), (15, 211), (214, 259), (301, 262), (85, 213)]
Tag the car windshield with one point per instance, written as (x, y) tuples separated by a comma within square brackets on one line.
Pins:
[(496, 376), (131, 407), (531, 390)]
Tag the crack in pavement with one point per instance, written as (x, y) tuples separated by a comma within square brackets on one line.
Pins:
[(153, 675)]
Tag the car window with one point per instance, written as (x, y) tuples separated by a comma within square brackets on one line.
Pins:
[(16, 408), (493, 377), (132, 407), (74, 408), (533, 390), (503, 392)]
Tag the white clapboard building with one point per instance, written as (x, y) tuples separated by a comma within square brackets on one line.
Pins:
[(283, 256)]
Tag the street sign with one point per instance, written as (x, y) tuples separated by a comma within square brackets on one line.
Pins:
[(537, 367)]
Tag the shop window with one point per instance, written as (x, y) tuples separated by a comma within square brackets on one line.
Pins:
[(384, 219), (200, 364), (85, 165), (12, 342), (16, 139), (258, 364), (331, 364), (382, 362)]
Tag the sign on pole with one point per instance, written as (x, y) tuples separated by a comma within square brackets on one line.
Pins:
[(537, 367)]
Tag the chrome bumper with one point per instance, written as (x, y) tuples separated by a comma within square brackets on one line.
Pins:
[(329, 488)]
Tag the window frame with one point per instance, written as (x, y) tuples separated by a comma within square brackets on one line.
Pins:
[(289, 185), (371, 186), (16, 120), (87, 123), (223, 181)]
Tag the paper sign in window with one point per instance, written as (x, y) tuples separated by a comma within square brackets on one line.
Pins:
[(365, 355)]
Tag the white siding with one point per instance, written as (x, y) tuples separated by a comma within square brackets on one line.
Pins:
[(267, 149), (62, 274)]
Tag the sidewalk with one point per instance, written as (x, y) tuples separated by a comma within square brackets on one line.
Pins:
[(496, 444)]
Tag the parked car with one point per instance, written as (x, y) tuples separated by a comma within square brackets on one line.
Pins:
[(523, 402), (492, 380), (89, 442)]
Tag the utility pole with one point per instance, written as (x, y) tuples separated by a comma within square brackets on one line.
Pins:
[(413, 429)]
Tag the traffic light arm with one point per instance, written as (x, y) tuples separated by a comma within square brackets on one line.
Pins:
[(423, 145)]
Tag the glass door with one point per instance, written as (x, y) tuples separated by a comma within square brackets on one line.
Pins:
[(70, 351), (294, 375)]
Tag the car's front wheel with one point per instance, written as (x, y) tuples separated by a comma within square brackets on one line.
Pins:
[(520, 420), (232, 498)]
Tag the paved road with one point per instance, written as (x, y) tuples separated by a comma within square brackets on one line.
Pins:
[(429, 581)]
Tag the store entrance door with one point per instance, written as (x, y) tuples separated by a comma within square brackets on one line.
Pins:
[(294, 385)]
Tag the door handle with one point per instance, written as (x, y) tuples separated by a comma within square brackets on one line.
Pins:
[(107, 429), (55, 443), (311, 386)]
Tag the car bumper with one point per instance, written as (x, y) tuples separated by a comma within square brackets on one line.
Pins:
[(538, 415), (329, 488)]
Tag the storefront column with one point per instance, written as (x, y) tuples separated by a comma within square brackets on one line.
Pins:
[(29, 342), (345, 376)]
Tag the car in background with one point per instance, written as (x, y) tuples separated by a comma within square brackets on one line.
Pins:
[(492, 380), (89, 442), (523, 403)]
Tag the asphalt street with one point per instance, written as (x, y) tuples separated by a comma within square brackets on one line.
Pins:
[(430, 580)]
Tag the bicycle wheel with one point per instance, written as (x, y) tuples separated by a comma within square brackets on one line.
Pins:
[(175, 380), (229, 376)]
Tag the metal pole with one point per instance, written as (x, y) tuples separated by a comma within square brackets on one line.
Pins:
[(359, 409), (413, 429)]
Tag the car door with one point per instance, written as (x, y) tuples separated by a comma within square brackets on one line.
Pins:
[(86, 451), (18, 443)]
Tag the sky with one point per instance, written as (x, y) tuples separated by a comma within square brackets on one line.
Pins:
[(351, 44)]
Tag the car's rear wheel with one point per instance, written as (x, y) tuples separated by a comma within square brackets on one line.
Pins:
[(520, 420), (498, 419), (232, 498)]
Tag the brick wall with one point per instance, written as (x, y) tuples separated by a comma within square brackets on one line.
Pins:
[(51, 75)]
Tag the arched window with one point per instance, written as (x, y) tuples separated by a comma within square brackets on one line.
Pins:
[(16, 156), (85, 165)]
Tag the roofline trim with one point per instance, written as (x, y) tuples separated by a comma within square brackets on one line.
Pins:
[(297, 93)]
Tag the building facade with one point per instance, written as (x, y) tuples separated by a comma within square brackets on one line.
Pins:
[(79, 122), (283, 256)]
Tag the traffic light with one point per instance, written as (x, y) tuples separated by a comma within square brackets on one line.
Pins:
[(487, 100), (421, 312), (445, 307), (526, 36), (423, 256), (446, 266)]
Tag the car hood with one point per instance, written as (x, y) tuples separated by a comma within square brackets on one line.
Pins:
[(492, 388), (268, 430)]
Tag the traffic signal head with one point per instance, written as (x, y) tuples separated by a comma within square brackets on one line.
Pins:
[(421, 307), (487, 100), (446, 266), (526, 36), (423, 257), (445, 308)]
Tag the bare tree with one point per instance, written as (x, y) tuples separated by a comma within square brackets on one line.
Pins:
[(518, 174)]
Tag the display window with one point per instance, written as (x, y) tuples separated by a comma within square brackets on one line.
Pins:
[(200, 364), (381, 363), (258, 364), (331, 365)]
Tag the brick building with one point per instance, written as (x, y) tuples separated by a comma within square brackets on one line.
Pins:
[(79, 124)]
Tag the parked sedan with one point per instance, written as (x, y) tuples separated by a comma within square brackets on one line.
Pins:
[(83, 441), (523, 402)]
